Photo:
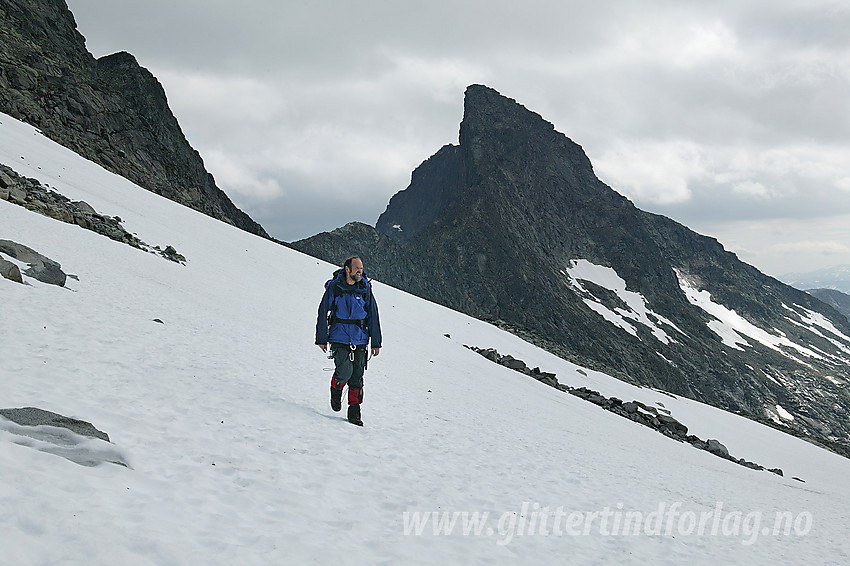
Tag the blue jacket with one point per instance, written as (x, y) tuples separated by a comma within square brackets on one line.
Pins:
[(349, 303)]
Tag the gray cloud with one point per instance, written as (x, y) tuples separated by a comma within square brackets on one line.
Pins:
[(725, 115)]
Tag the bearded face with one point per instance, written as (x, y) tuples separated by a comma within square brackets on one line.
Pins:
[(355, 272)]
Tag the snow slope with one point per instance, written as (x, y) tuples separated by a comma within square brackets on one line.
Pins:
[(235, 457)]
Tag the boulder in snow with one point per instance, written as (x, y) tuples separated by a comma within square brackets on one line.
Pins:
[(10, 271), (41, 268), (31, 416), (715, 447)]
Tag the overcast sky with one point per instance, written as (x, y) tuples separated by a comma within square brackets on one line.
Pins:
[(730, 116)]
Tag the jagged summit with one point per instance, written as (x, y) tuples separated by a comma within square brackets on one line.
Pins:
[(512, 225), (509, 126), (497, 135)]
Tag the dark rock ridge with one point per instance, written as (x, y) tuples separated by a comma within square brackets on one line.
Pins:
[(834, 298), (491, 227), (32, 195), (658, 419), (109, 110)]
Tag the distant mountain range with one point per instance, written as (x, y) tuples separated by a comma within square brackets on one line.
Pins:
[(512, 225), (837, 278)]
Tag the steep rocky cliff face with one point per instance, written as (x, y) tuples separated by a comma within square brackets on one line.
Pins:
[(512, 225), (444, 175), (109, 110)]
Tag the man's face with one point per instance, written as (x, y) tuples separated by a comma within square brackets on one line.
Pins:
[(356, 270)]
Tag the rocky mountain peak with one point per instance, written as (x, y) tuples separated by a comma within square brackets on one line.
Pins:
[(486, 109), (498, 129), (512, 225), (502, 148)]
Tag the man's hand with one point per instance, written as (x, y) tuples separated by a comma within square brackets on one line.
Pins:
[(376, 351), (324, 347)]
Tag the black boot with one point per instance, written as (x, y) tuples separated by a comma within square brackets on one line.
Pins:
[(354, 415)]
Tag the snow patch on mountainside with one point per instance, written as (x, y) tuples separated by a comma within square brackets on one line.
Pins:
[(635, 307), (783, 414), (813, 321), (732, 327)]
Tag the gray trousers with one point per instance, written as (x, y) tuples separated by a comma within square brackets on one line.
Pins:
[(349, 364)]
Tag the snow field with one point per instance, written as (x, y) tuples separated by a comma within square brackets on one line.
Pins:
[(236, 458)]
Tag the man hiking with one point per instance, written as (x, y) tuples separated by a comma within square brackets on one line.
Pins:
[(348, 319)]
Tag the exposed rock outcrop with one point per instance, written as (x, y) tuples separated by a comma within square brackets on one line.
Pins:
[(10, 271), (41, 268), (32, 195)]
